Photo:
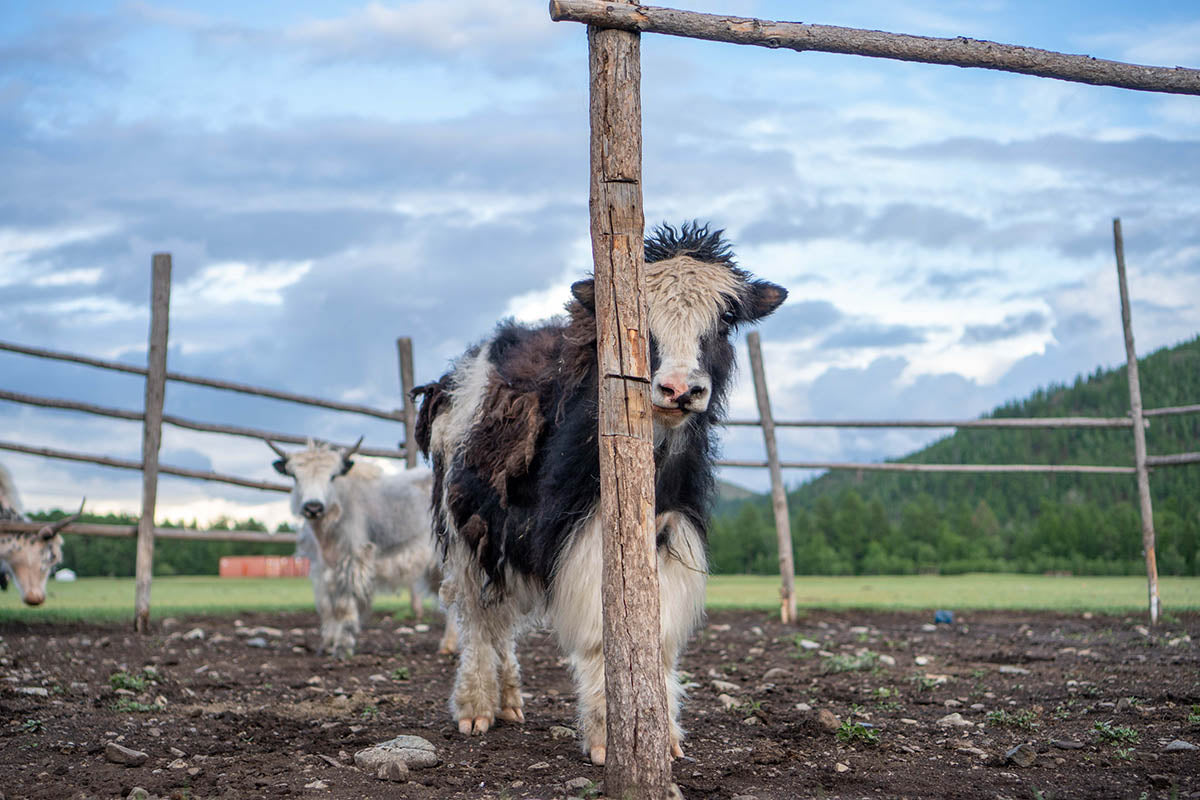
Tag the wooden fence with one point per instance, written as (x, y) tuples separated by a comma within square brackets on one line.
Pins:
[(157, 376)]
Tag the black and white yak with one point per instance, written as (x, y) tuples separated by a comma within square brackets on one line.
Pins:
[(511, 431), (362, 531)]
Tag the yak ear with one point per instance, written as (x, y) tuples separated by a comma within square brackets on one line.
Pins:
[(763, 298), (280, 466), (347, 465), (585, 293)]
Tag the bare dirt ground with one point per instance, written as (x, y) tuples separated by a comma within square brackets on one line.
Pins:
[(250, 711)]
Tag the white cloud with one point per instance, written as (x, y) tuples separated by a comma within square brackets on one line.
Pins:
[(232, 282)]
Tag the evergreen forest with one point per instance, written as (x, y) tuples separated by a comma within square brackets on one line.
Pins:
[(901, 523)]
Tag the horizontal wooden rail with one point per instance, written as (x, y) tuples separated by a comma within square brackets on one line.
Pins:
[(989, 422), (229, 386), (1163, 412), (1173, 460), (890, 466), (957, 52), (120, 463), (128, 531), (180, 422)]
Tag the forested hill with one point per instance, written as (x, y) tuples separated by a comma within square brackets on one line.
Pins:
[(1086, 524)]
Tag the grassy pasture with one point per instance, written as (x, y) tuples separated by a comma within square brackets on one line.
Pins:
[(112, 598)]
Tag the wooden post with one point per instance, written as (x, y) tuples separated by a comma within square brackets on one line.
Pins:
[(637, 762), (1139, 431), (783, 528), (156, 384), (404, 348)]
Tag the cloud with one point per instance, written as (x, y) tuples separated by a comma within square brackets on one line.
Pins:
[(868, 335), (1011, 326)]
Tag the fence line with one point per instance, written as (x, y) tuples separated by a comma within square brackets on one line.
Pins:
[(130, 531), (212, 383), (990, 422), (898, 466), (180, 422)]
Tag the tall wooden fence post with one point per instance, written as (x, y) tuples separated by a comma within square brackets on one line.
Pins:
[(156, 383), (637, 762), (404, 349), (783, 527), (1139, 431)]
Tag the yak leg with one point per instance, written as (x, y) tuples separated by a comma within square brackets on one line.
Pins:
[(322, 589), (576, 609), (416, 601), (511, 704)]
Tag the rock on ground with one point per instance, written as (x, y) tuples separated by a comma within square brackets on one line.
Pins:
[(391, 760), (119, 754)]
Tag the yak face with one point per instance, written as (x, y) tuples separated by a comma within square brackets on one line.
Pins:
[(696, 297), (314, 470), (29, 561)]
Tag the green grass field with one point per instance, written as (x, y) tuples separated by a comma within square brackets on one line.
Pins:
[(112, 598)]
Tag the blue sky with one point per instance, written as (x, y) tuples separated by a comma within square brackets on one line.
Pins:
[(329, 176)]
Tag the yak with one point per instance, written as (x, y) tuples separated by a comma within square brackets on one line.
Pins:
[(29, 558), (512, 435)]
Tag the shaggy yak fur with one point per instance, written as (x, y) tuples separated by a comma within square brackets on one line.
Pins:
[(511, 432), (28, 558), (362, 531)]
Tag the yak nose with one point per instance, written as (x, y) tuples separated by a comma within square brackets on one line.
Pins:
[(313, 509), (34, 598), (678, 391)]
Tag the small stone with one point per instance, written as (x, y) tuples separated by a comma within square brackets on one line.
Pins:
[(315, 680), (840, 767), (1124, 704), (1180, 746), (194, 634), (194, 771), (1022, 755), (725, 687), (808, 644), (803, 707), (404, 630), (974, 751), (859, 629), (421, 627), (1160, 781), (578, 785), (978, 706), (256, 641), (178, 763), (33, 691), (1142, 629), (751, 720), (1008, 669), (317, 784), (408, 751), (119, 754), (921, 661), (175, 751), (907, 721), (886, 660), (828, 721), (929, 627), (540, 765), (561, 732), (726, 701), (137, 793), (951, 703), (954, 720), (776, 674), (756, 630)]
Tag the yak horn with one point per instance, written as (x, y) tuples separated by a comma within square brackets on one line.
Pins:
[(48, 531), (274, 447), (346, 455)]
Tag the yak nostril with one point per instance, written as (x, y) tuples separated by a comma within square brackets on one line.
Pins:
[(313, 508), (698, 392)]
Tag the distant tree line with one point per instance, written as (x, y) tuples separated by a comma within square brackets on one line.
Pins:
[(899, 523), (107, 556)]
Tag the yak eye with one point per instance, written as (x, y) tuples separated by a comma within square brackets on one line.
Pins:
[(729, 318)]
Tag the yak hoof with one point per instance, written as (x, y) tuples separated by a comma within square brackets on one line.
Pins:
[(598, 754), (512, 714), (474, 727), (676, 750)]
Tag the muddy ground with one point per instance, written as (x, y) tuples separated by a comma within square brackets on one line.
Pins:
[(250, 710)]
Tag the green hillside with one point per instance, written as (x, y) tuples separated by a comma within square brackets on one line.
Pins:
[(885, 523)]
